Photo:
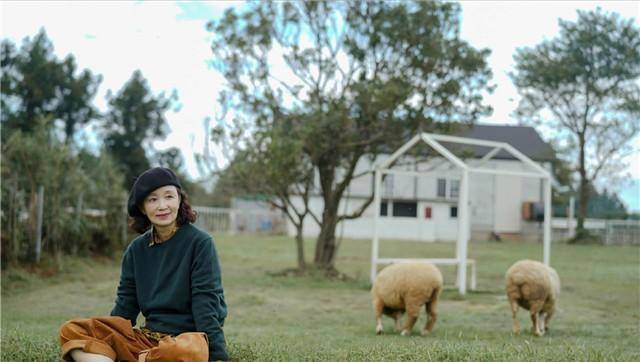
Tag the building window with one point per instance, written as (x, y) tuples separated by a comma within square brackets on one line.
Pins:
[(427, 212), (405, 209), (383, 208), (454, 189), (442, 187), (450, 190), (388, 186), (453, 212)]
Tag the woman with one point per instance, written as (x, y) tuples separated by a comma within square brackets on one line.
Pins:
[(171, 274)]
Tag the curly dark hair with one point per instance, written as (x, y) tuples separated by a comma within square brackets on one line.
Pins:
[(186, 214)]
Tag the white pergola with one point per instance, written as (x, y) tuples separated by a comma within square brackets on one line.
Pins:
[(434, 140)]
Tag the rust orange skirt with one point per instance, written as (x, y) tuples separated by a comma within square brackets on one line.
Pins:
[(115, 338)]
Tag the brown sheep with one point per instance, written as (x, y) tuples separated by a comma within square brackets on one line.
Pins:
[(536, 287), (407, 287)]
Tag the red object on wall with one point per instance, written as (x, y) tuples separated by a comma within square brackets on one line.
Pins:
[(427, 212)]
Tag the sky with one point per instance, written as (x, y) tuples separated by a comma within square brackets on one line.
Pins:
[(168, 42)]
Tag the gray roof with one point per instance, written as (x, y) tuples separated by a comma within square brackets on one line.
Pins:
[(523, 138)]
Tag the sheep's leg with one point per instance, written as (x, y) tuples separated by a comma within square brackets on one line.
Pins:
[(378, 306), (413, 310), (535, 309), (542, 317), (547, 318), (515, 327), (432, 316)]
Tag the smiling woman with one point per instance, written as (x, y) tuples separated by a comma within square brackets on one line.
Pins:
[(162, 208), (171, 274)]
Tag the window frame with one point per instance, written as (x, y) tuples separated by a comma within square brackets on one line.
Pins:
[(453, 212), (412, 209)]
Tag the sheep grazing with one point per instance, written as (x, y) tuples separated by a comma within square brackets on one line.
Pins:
[(407, 287), (536, 287)]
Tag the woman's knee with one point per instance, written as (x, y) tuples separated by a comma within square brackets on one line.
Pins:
[(73, 328)]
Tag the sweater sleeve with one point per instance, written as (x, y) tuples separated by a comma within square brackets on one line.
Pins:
[(126, 305), (207, 298)]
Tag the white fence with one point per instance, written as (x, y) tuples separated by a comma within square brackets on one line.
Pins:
[(612, 232), (225, 220), (622, 232)]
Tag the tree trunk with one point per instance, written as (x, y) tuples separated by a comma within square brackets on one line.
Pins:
[(326, 243), (302, 265), (584, 188), (582, 210)]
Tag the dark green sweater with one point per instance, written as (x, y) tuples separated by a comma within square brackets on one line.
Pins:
[(176, 285)]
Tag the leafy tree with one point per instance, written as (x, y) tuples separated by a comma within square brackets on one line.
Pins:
[(350, 80), (76, 98), (225, 187), (583, 84), (71, 183), (103, 191), (170, 158), (274, 164), (134, 119), (30, 79), (36, 85), (606, 205)]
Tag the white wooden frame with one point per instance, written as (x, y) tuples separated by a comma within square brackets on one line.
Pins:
[(460, 260)]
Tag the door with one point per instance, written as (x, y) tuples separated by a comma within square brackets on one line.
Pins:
[(508, 196)]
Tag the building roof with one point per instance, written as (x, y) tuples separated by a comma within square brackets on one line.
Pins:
[(523, 138)]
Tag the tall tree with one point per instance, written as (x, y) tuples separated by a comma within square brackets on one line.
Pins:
[(170, 158), (606, 205), (76, 97), (354, 79), (30, 79), (583, 84), (135, 118), (36, 85)]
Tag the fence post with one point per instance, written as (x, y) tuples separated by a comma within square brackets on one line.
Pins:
[(232, 221), (39, 223)]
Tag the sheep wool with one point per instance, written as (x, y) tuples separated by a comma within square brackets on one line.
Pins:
[(536, 287), (406, 287)]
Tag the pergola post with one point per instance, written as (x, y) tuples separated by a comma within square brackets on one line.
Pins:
[(463, 232), (547, 221), (374, 243)]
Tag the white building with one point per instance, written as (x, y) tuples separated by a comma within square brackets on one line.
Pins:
[(425, 207)]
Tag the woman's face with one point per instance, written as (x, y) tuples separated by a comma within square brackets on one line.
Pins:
[(161, 206)]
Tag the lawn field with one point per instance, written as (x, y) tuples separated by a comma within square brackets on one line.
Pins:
[(290, 318)]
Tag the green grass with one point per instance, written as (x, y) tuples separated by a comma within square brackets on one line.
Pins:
[(276, 318)]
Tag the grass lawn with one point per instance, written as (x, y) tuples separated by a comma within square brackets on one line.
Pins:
[(276, 318)]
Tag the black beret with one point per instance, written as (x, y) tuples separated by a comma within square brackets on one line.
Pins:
[(146, 183)]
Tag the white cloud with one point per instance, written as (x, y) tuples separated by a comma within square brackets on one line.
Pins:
[(116, 38)]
